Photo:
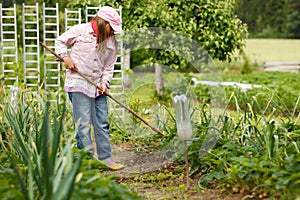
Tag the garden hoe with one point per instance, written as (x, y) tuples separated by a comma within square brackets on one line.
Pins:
[(106, 93)]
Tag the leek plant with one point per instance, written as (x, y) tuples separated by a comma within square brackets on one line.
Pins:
[(44, 165)]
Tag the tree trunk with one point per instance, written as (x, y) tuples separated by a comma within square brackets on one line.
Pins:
[(127, 80), (159, 82)]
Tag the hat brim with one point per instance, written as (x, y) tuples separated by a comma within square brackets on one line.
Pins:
[(116, 28)]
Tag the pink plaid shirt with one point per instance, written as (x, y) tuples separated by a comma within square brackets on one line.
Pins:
[(97, 66)]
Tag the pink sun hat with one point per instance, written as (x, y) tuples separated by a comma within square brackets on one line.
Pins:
[(111, 16)]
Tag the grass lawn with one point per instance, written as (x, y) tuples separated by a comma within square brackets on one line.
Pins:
[(266, 50)]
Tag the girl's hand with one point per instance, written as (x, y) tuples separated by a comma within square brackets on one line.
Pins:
[(103, 88), (69, 63)]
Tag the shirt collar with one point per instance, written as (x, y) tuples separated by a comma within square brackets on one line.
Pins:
[(94, 26), (90, 29)]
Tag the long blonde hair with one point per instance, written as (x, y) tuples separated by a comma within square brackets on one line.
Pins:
[(103, 35)]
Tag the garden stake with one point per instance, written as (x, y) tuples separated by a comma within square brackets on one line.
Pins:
[(186, 164), (106, 93)]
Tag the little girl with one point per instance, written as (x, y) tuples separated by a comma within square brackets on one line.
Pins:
[(93, 53)]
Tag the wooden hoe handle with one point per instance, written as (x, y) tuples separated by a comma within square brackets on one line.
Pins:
[(106, 93)]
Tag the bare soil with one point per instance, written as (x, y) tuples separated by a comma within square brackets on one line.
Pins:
[(137, 164)]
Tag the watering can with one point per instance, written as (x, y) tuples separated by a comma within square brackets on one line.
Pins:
[(183, 121)]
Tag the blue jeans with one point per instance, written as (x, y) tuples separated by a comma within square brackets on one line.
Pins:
[(88, 112)]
